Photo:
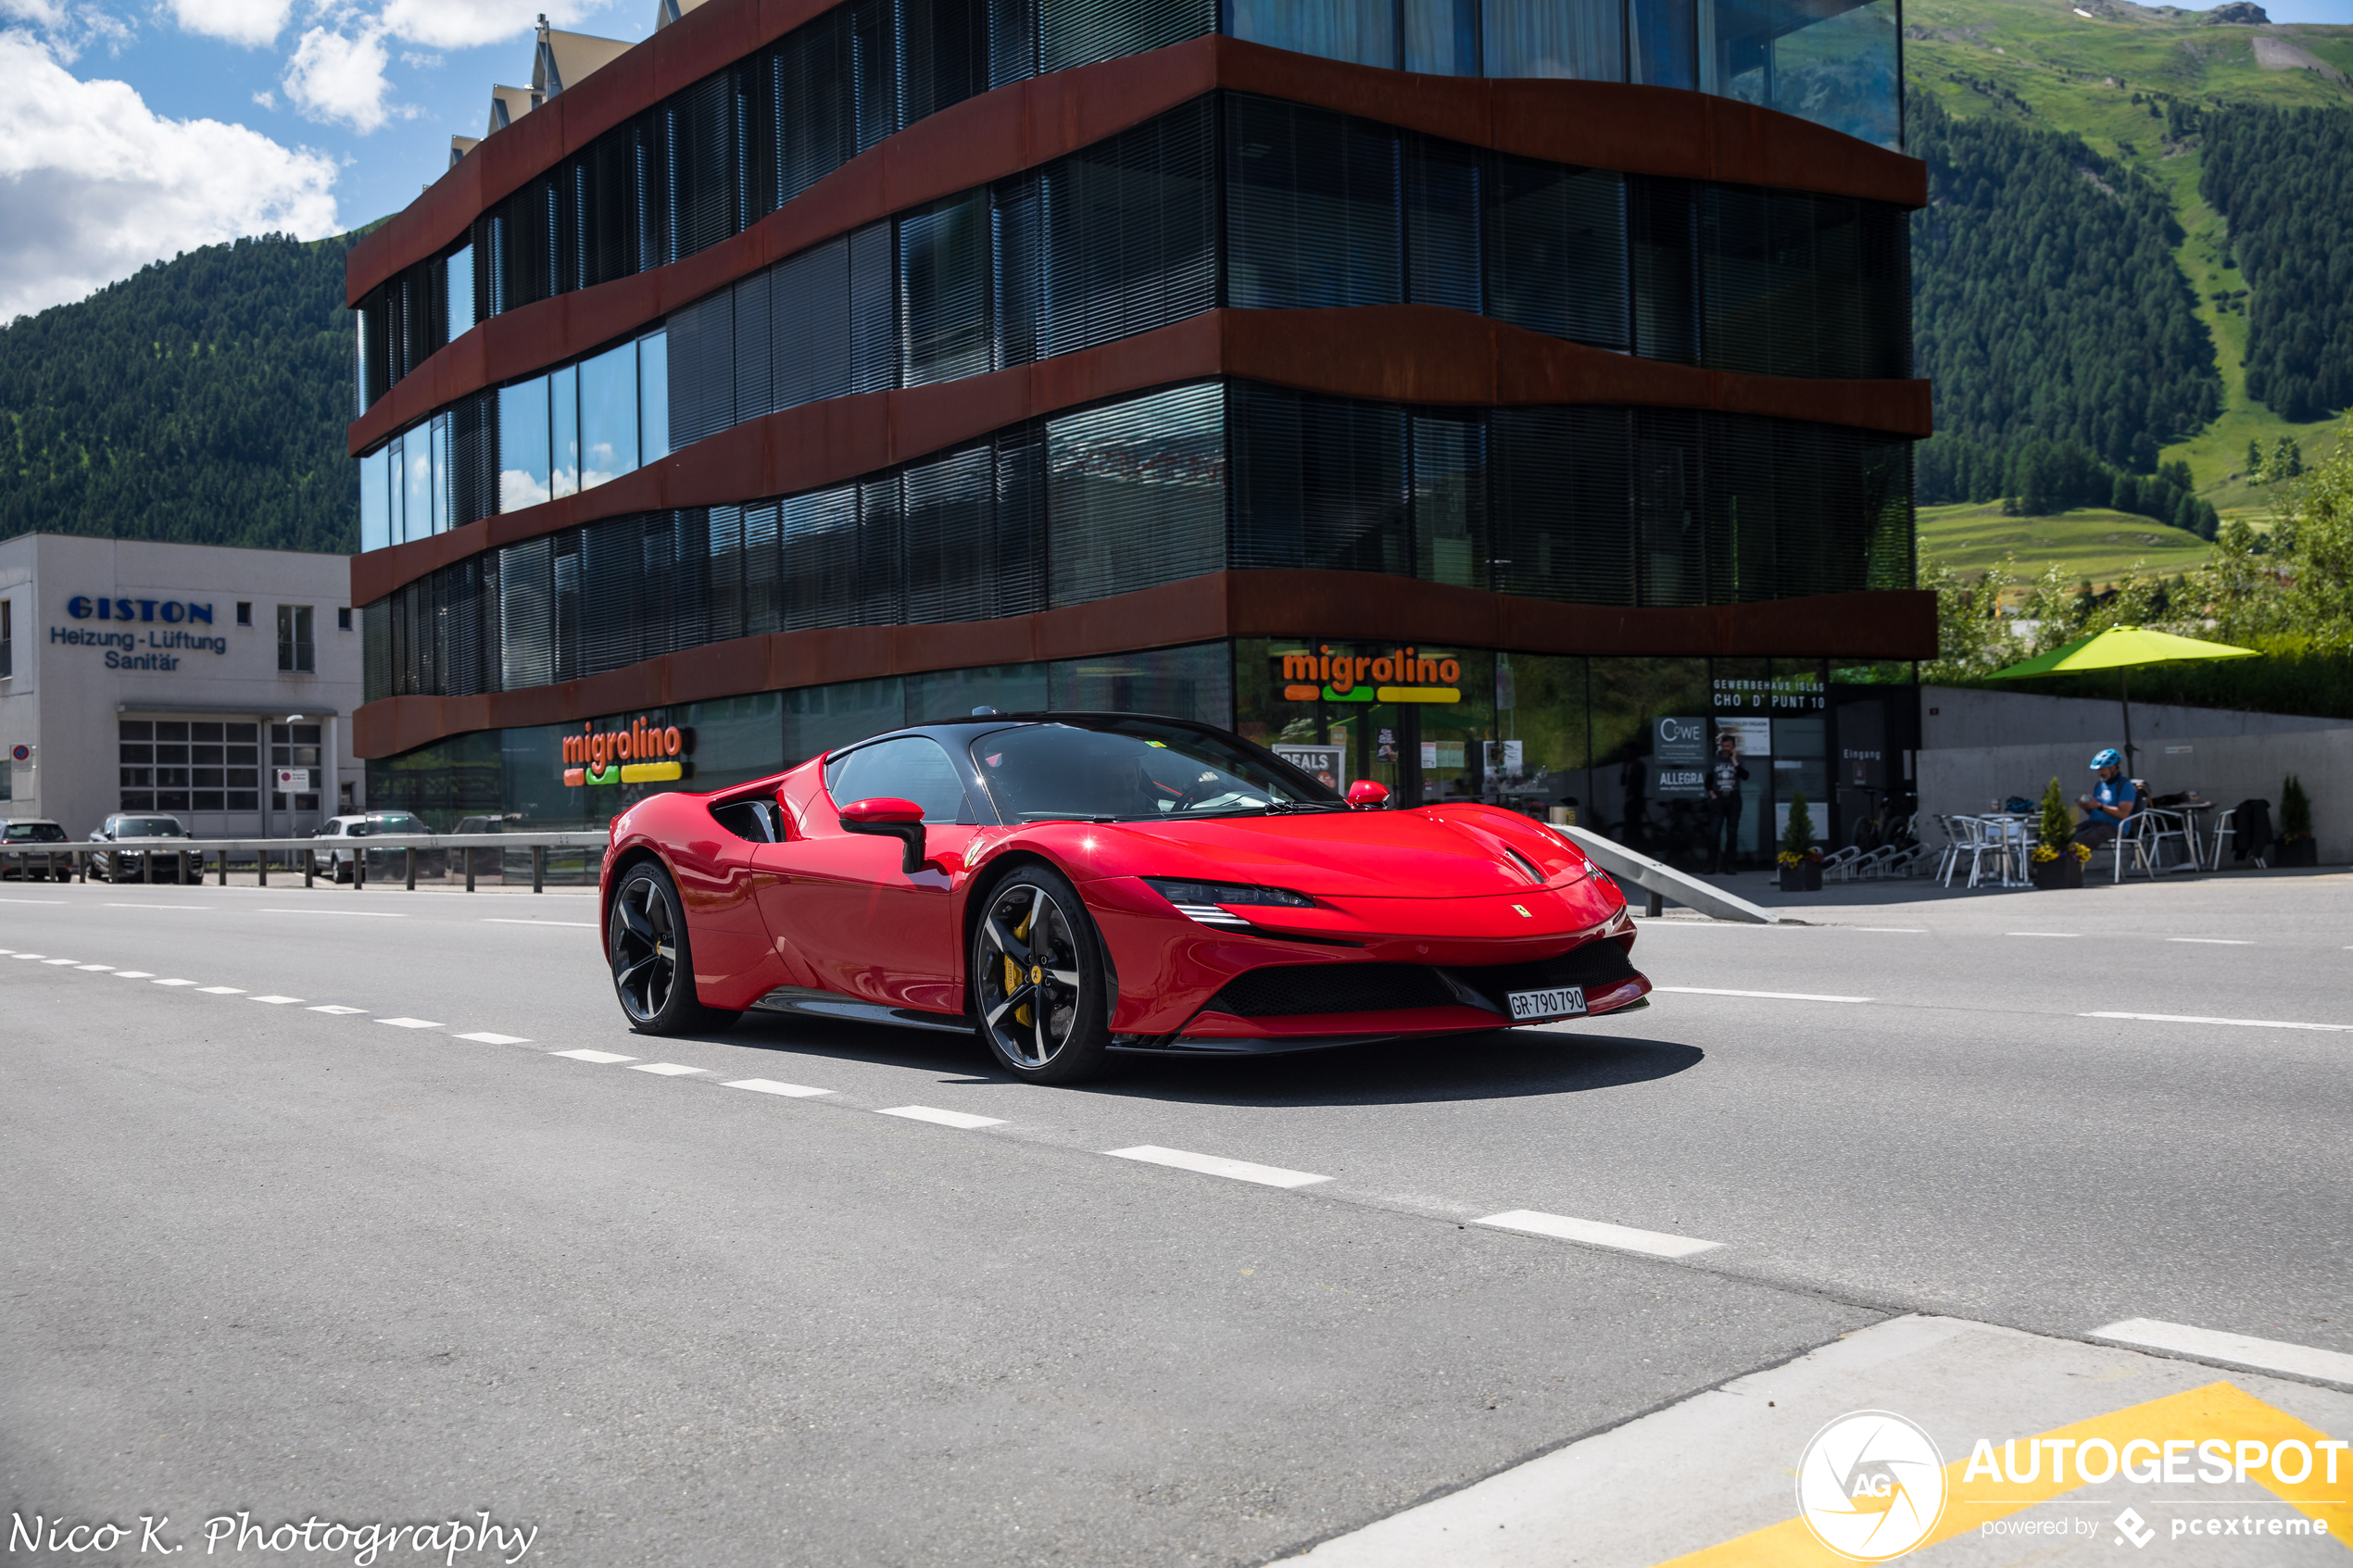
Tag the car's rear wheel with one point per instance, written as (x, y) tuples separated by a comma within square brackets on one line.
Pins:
[(1041, 992), (652, 958)]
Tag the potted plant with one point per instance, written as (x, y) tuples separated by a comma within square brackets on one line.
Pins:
[(2297, 846), (1800, 857), (2058, 859)]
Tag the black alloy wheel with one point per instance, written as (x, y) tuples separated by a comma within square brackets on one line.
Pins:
[(646, 942), (1040, 992)]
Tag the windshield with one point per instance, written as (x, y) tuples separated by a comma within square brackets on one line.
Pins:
[(35, 833), (390, 822), (1131, 770), (149, 827)]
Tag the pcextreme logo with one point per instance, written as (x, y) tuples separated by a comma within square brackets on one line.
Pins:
[(644, 753), (1870, 1485)]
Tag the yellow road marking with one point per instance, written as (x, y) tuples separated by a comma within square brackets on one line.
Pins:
[(2217, 1410)]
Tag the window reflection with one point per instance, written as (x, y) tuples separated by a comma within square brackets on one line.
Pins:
[(1361, 31), (563, 403), (608, 415), (375, 501), (522, 444), (1577, 40)]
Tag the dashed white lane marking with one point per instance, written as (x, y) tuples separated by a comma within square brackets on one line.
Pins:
[(337, 1009), (2066, 934), (593, 1055), (578, 925), (34, 957), (357, 914), (1214, 1165), (409, 1023), (2214, 941), (944, 1118), (221, 991), (175, 983), (769, 1086), (2241, 1022), (1623, 1238), (45, 903), (1911, 930), (2239, 1349), (61, 961), (276, 1002), (487, 1038), (668, 1069), (1768, 996), (93, 968), (134, 974)]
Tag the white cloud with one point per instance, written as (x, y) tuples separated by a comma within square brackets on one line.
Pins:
[(65, 28), (267, 99), (94, 184), (334, 77), (466, 24), (250, 22)]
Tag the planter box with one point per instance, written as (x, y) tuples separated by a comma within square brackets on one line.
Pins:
[(1805, 878), (2297, 852), (2065, 871)]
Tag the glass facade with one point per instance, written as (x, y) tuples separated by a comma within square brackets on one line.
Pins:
[(1581, 505), (723, 153), (1304, 209), (1612, 744)]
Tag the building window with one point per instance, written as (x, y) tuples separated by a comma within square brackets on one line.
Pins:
[(296, 651), (7, 638), (295, 746), (245, 612), (343, 617)]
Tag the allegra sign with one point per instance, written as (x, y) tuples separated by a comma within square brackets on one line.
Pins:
[(644, 753)]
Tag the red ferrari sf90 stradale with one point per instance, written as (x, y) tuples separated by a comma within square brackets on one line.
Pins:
[(1068, 884)]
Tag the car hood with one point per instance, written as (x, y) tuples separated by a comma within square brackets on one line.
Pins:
[(1417, 854)]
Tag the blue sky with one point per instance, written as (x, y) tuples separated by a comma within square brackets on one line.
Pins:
[(131, 130)]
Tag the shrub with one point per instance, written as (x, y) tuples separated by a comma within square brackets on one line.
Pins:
[(1797, 839), (2295, 811)]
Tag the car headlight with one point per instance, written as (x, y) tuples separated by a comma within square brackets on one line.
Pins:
[(1201, 900)]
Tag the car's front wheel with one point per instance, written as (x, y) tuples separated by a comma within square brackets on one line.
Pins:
[(652, 958), (1042, 991)]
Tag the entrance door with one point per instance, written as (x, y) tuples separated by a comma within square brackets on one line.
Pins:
[(865, 927)]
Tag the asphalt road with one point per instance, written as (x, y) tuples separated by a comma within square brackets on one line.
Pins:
[(351, 1264)]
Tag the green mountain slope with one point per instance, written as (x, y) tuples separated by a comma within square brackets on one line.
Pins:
[(202, 400), (2143, 88)]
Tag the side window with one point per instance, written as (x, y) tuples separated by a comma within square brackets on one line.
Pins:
[(913, 768)]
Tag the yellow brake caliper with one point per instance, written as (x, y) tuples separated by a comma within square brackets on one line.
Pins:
[(1012, 970)]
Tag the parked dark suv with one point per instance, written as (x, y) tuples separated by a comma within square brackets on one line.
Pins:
[(146, 864)]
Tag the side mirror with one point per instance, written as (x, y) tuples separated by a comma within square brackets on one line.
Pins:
[(1368, 795), (889, 817)]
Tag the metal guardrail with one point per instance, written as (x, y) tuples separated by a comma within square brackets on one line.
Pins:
[(77, 858)]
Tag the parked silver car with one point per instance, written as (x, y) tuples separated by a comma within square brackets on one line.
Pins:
[(145, 864), (34, 847), (340, 854)]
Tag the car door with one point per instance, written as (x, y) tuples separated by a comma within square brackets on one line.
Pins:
[(864, 926)]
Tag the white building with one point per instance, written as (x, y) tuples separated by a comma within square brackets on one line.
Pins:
[(177, 679)]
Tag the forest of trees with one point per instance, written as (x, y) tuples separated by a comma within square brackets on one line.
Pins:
[(202, 400), (2048, 310), (2283, 179)]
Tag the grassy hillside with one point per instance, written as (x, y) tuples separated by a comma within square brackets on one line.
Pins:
[(2091, 542), (2109, 79), (202, 400)]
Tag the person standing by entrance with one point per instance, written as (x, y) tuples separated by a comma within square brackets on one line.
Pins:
[(1724, 776)]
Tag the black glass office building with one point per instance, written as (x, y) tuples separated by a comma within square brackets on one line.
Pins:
[(1031, 353)]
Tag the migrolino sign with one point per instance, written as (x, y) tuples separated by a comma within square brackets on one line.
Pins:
[(1401, 675), (644, 753)]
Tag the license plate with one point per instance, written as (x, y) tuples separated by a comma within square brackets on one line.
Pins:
[(1538, 1007)]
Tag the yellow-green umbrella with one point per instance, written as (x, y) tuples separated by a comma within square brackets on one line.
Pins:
[(2122, 649)]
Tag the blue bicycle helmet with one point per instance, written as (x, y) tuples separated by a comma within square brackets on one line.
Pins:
[(2108, 758)]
